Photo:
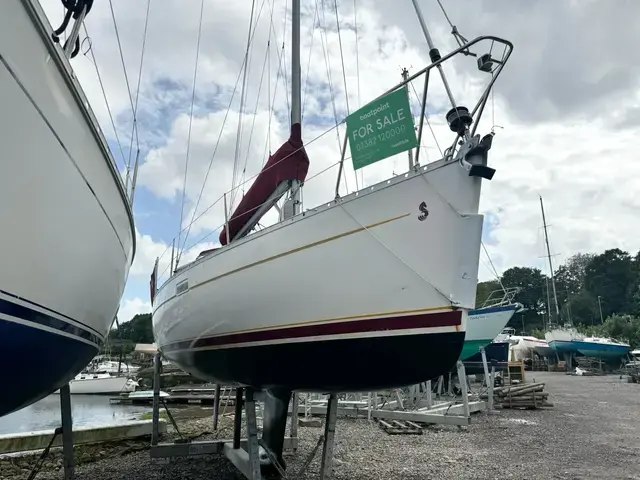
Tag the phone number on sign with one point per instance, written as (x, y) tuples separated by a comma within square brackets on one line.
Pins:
[(386, 135)]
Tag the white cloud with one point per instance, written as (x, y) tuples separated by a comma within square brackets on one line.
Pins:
[(129, 308), (149, 249), (566, 108)]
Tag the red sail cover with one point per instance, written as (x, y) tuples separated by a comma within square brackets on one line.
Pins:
[(289, 162)]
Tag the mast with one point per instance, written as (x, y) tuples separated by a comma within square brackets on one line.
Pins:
[(296, 98), (546, 239), (296, 115)]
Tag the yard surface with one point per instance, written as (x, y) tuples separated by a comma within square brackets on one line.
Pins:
[(592, 432)]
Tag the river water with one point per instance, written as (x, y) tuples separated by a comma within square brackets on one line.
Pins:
[(87, 411)]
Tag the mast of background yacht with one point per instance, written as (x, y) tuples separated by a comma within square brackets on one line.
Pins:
[(553, 280)]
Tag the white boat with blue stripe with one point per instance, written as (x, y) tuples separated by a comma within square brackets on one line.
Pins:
[(67, 226)]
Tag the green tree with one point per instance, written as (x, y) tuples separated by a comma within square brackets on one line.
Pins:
[(570, 276), (532, 295), (137, 330), (634, 289), (623, 327), (484, 289), (532, 285), (610, 276)]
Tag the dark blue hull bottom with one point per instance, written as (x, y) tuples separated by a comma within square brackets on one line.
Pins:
[(36, 363), (496, 353), (331, 367)]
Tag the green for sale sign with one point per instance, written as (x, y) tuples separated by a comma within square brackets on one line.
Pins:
[(381, 129)]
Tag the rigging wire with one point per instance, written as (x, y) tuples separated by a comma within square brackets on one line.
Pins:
[(495, 272), (202, 239), (220, 198), (286, 76), (242, 100), (134, 124), (344, 79), (306, 81), (426, 117), (355, 27), (215, 150), (327, 62), (193, 99), (126, 77), (344, 73), (269, 84), (279, 75), (255, 114), (104, 94)]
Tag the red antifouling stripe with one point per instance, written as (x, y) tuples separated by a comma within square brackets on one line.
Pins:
[(407, 322)]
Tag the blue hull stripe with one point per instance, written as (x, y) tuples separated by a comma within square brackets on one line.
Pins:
[(30, 315), (480, 311), (35, 304), (39, 362)]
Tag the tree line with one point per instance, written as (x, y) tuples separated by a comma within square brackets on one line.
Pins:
[(598, 293), (137, 330)]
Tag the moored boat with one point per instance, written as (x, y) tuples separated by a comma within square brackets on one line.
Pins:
[(88, 383)]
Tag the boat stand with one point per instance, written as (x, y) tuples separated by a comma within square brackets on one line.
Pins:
[(67, 433), (242, 452), (490, 379), (66, 430)]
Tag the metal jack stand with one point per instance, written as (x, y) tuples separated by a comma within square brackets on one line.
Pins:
[(326, 467), (242, 452), (489, 379), (66, 430), (247, 461), (462, 377), (67, 433)]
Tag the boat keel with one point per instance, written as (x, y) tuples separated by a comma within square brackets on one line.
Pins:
[(274, 424)]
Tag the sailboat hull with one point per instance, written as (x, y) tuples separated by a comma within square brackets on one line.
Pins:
[(368, 276), (68, 236), (563, 340), (609, 351), (483, 326), (331, 365)]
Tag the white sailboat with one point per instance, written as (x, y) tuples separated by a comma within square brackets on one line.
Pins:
[(390, 269), (66, 213), (88, 383), (560, 338)]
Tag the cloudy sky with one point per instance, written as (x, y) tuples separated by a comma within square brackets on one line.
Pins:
[(566, 111)]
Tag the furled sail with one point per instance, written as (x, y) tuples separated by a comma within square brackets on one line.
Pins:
[(288, 163)]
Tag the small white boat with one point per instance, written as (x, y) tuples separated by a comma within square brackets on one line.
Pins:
[(635, 356), (100, 384), (111, 366), (523, 347)]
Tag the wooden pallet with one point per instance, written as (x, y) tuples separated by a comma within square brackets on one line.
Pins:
[(401, 427)]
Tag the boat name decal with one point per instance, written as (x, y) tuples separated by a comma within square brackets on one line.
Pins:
[(425, 212)]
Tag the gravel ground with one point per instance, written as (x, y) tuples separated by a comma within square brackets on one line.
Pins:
[(592, 432)]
